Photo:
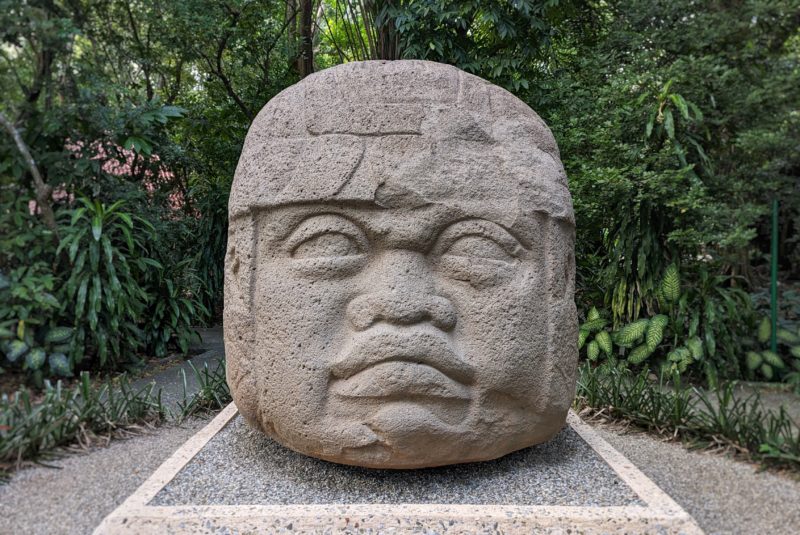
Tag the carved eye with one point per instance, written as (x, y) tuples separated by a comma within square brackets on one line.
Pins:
[(476, 251), (326, 244), (474, 246)]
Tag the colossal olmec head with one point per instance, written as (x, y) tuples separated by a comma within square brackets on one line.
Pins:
[(400, 269)]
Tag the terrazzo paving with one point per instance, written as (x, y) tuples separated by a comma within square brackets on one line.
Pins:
[(243, 466)]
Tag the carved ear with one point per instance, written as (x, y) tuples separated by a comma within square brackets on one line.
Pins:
[(240, 264), (562, 325), (239, 326)]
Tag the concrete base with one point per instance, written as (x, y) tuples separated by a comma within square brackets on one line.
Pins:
[(577, 484)]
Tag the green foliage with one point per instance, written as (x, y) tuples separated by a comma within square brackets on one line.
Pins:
[(631, 333), (681, 339), (784, 365), (105, 248), (32, 431), (212, 392), (502, 42), (695, 416)]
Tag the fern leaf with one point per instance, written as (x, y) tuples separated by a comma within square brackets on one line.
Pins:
[(773, 359), (603, 340), (671, 284), (695, 345), (753, 360), (639, 354), (764, 330), (592, 350), (795, 351), (629, 334)]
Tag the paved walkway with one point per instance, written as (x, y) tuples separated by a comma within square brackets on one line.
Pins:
[(209, 351)]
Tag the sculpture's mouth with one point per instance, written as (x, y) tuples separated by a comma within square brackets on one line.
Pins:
[(401, 363)]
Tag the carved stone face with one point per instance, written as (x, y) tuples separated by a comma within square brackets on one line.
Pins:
[(399, 286)]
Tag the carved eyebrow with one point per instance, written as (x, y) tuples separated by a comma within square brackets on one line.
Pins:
[(478, 227), (318, 224)]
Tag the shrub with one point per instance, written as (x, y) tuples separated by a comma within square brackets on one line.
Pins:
[(102, 292)]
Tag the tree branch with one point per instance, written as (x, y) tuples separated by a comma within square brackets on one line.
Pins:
[(43, 191)]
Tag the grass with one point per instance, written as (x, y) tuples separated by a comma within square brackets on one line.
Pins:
[(36, 429), (715, 420), (212, 394)]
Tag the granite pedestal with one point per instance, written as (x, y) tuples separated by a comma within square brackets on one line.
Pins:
[(230, 478)]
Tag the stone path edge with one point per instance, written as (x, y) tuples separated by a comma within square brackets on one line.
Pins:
[(662, 514)]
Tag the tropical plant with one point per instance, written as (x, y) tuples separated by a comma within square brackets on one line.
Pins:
[(697, 325), (783, 365), (105, 248)]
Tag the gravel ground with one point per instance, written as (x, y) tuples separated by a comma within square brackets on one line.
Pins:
[(77, 497), (723, 495), (243, 466)]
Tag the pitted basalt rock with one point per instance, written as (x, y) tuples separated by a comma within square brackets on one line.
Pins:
[(400, 270)]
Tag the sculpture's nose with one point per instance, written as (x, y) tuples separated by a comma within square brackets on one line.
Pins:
[(403, 294)]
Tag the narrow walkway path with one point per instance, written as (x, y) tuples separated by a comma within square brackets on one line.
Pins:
[(209, 352)]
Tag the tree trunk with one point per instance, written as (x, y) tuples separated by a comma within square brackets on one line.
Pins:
[(305, 59)]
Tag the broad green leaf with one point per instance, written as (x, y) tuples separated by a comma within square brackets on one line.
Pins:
[(695, 345), (655, 333), (669, 124), (59, 363), (97, 226), (680, 103), (788, 337), (16, 348), (773, 359), (35, 358), (58, 335), (594, 325), (603, 340), (630, 333), (582, 335), (766, 371), (592, 350), (764, 330), (639, 354)]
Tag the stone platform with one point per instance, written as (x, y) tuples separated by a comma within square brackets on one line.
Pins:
[(231, 479)]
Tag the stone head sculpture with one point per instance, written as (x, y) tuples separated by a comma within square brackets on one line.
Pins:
[(400, 269)]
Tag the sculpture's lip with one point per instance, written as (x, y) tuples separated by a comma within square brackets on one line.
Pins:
[(380, 345), (400, 380)]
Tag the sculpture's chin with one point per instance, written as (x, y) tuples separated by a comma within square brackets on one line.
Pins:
[(407, 435)]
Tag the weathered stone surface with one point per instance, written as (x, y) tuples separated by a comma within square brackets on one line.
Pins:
[(400, 270)]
